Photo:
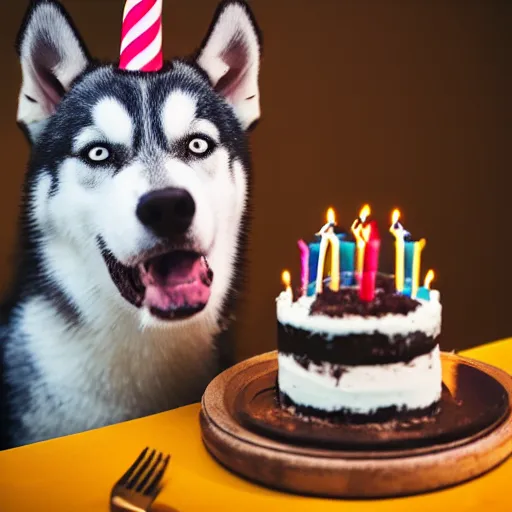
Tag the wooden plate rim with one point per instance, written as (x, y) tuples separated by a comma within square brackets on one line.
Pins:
[(214, 406), (335, 473)]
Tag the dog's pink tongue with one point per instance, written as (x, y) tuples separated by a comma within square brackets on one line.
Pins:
[(177, 284)]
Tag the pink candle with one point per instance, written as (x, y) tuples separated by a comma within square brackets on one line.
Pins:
[(371, 262), (304, 266), (141, 39)]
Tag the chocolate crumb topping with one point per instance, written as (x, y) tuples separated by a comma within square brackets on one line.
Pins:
[(385, 282), (346, 301)]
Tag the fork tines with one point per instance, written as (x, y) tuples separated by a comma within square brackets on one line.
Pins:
[(146, 473)]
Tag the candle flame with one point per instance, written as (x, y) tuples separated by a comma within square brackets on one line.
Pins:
[(395, 216), (429, 278), (365, 212), (331, 217), (286, 278)]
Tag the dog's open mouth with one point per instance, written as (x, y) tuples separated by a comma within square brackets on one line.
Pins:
[(174, 285)]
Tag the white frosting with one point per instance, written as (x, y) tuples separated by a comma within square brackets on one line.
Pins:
[(363, 389), (425, 318)]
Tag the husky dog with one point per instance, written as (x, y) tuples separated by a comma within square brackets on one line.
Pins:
[(133, 225)]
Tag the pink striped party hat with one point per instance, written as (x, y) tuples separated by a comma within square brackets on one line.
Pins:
[(141, 38)]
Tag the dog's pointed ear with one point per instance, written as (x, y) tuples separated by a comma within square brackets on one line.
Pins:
[(52, 55), (230, 56)]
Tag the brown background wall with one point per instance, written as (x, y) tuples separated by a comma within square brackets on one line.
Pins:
[(389, 102)]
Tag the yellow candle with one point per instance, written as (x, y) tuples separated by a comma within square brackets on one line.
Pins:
[(416, 266), (365, 234), (398, 233), (360, 256), (335, 262), (329, 237), (357, 227)]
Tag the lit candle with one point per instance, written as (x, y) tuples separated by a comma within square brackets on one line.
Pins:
[(313, 260), (371, 238), (313, 256), (304, 266), (335, 262), (329, 237), (286, 278), (399, 232), (424, 291), (416, 266), (357, 227), (404, 255)]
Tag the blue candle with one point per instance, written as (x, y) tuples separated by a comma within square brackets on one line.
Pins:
[(423, 293), (341, 237), (347, 250), (408, 261), (347, 262)]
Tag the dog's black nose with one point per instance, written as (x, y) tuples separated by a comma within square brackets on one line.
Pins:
[(167, 212)]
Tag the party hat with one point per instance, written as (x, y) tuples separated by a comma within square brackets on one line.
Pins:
[(141, 39)]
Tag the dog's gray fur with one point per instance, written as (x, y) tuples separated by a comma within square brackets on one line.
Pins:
[(77, 355)]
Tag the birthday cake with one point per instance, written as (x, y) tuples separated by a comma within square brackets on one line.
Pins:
[(358, 346)]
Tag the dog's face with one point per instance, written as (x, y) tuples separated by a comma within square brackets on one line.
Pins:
[(142, 174)]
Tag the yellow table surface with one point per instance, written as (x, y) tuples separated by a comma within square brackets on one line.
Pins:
[(75, 473)]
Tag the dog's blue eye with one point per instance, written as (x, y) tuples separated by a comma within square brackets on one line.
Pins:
[(198, 145), (98, 154)]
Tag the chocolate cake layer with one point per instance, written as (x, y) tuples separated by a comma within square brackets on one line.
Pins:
[(380, 415), (352, 349)]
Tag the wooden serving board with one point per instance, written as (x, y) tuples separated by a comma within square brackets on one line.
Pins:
[(347, 471)]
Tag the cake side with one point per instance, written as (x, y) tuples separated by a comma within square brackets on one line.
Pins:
[(426, 318), (359, 368), (373, 390)]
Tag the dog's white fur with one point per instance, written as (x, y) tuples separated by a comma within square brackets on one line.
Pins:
[(120, 362)]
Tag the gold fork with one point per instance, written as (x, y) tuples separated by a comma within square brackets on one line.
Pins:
[(138, 488)]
